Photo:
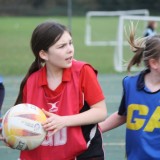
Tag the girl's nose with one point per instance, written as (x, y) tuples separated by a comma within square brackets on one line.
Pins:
[(70, 48)]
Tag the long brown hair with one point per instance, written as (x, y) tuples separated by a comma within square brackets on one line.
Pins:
[(44, 36), (144, 48)]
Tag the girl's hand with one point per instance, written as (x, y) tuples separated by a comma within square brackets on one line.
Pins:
[(54, 122)]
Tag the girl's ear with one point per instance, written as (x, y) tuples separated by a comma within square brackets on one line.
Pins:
[(153, 63), (43, 55)]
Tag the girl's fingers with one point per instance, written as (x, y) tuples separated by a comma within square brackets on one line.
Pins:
[(47, 113)]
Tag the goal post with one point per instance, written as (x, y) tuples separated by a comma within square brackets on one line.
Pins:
[(121, 55), (91, 40)]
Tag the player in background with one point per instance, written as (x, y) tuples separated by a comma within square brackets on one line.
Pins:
[(140, 104), (2, 94), (151, 29), (70, 95)]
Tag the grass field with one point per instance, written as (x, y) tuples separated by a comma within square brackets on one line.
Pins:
[(16, 55)]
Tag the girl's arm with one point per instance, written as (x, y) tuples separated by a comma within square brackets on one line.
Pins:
[(94, 97), (113, 121), (95, 114)]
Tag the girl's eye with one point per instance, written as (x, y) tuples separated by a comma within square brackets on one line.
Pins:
[(62, 46), (71, 42)]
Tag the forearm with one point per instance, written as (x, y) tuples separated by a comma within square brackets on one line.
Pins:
[(94, 115), (112, 122)]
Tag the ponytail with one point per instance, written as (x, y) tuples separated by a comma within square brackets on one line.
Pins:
[(137, 47), (36, 65)]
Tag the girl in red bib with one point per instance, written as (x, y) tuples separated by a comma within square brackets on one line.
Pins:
[(69, 94)]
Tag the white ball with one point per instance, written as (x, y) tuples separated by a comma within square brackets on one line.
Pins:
[(21, 127)]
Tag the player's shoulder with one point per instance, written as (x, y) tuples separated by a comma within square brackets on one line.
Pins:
[(34, 76), (83, 68), (137, 79), (77, 63), (130, 79), (82, 65)]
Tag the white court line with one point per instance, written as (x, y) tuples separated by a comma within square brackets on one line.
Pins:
[(3, 147), (114, 144)]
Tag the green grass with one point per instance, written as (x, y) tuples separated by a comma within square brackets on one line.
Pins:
[(15, 34), (16, 55)]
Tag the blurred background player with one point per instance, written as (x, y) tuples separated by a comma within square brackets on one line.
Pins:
[(151, 29)]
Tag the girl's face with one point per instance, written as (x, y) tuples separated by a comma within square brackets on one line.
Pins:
[(60, 55), (158, 65), (155, 65)]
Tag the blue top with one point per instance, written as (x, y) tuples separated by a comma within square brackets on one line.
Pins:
[(142, 108), (1, 79)]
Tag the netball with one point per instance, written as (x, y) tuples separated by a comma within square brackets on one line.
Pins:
[(21, 127)]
